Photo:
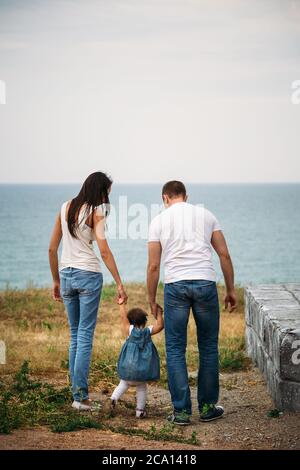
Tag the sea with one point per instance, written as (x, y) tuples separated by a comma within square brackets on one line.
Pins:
[(261, 223)]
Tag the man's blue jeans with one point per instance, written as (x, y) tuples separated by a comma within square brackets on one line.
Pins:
[(202, 297), (81, 292)]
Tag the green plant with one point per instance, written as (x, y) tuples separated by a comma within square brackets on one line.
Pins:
[(232, 359), (104, 369), (74, 422), (47, 325), (64, 364), (194, 439), (9, 417), (165, 433), (206, 407), (27, 402), (109, 292), (22, 324), (273, 413)]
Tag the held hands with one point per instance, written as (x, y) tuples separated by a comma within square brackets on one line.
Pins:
[(56, 291), (121, 295), (230, 301), (155, 309)]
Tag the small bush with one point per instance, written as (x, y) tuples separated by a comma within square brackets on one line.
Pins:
[(26, 402), (232, 360), (74, 422), (273, 413)]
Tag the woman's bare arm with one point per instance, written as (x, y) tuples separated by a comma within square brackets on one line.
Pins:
[(107, 256), (53, 257)]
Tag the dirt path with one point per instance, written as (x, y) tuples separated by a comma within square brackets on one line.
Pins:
[(245, 425)]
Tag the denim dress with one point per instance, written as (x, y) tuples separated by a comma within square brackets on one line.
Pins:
[(139, 359)]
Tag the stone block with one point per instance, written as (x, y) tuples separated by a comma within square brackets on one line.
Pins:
[(272, 316)]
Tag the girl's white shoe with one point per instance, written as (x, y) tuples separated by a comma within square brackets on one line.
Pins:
[(140, 413), (113, 403)]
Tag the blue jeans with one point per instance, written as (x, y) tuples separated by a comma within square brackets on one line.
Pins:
[(81, 292), (202, 297)]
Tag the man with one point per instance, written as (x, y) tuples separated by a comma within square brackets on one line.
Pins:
[(184, 235)]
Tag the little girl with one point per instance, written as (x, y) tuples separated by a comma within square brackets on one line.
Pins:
[(138, 362)]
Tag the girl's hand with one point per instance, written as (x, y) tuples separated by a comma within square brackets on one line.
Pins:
[(122, 296), (56, 291), (155, 308)]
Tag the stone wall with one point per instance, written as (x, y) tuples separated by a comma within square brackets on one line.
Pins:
[(273, 339)]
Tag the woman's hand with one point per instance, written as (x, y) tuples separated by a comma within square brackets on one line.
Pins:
[(121, 296), (53, 258), (56, 291)]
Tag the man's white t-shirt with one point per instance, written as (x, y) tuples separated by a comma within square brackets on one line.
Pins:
[(184, 231)]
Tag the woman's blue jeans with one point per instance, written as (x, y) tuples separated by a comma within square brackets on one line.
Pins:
[(202, 297), (81, 291)]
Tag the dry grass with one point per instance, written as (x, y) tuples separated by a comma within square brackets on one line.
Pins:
[(35, 328)]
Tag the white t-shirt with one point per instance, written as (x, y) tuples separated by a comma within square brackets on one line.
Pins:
[(184, 231)]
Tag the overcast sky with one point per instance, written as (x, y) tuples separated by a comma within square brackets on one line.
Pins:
[(150, 90)]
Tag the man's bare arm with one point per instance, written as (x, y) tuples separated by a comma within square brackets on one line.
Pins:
[(153, 269), (219, 244)]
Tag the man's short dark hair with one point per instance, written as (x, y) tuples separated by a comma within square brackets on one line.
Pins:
[(174, 189), (137, 317)]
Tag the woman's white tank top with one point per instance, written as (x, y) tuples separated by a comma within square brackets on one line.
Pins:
[(78, 252)]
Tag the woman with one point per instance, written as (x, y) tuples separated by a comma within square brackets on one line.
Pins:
[(79, 281)]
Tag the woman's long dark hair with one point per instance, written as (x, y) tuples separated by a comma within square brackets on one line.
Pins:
[(93, 193)]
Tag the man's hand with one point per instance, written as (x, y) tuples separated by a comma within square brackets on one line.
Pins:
[(230, 301), (56, 291), (155, 307)]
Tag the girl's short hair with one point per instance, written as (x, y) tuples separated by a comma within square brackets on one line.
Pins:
[(137, 316)]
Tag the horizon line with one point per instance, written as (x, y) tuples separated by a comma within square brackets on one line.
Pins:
[(24, 183)]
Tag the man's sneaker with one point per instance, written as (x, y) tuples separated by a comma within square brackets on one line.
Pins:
[(181, 419), (211, 413)]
